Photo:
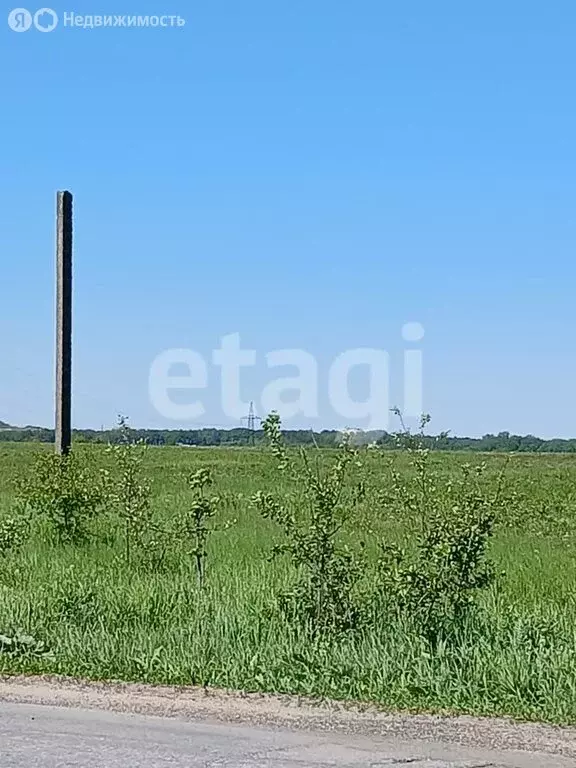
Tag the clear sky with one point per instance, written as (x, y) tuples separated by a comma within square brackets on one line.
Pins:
[(309, 175)]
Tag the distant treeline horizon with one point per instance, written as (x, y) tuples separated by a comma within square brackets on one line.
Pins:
[(243, 437)]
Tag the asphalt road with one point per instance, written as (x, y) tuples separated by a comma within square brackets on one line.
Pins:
[(41, 736)]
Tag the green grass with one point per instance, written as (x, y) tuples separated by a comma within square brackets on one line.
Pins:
[(102, 618)]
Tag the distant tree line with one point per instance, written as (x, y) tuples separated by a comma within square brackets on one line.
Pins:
[(183, 437), (502, 442)]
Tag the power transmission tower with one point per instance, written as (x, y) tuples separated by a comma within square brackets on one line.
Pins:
[(251, 420)]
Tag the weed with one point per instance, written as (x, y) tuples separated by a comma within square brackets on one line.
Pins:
[(14, 531), (435, 586), (130, 492), (19, 645), (325, 596), (76, 599), (195, 522), (63, 491)]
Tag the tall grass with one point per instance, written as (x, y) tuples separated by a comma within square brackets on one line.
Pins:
[(100, 616)]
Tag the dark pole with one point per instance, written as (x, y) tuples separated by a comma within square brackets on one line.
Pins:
[(64, 323)]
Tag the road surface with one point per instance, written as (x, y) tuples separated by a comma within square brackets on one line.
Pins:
[(42, 735)]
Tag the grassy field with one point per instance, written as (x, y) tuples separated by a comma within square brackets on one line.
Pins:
[(101, 617)]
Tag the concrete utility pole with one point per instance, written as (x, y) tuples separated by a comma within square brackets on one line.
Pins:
[(64, 323)]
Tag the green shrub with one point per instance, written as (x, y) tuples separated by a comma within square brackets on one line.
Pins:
[(195, 523), (128, 490), (435, 585), (326, 595), (64, 492)]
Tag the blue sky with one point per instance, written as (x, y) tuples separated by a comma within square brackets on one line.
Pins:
[(309, 175)]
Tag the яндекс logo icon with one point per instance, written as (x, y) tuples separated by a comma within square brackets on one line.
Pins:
[(21, 20)]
